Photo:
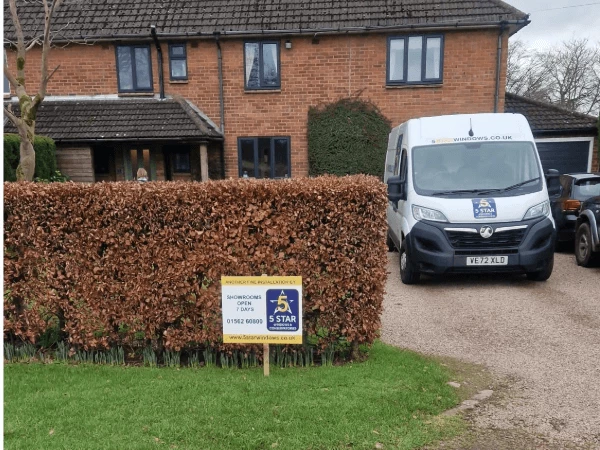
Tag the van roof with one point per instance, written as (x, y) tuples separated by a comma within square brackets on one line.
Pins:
[(468, 127)]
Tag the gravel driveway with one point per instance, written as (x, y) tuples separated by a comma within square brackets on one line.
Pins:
[(545, 337)]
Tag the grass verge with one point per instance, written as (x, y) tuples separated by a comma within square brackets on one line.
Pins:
[(392, 399)]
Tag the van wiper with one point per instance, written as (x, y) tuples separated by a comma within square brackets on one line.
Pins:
[(486, 191), (464, 191), (517, 186)]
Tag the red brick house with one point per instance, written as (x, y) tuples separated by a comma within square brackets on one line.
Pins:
[(237, 77)]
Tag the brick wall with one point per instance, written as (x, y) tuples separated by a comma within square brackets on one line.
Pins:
[(337, 66)]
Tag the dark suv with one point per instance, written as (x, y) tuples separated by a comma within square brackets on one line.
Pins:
[(574, 189), (587, 236)]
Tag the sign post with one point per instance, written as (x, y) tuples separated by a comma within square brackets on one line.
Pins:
[(266, 353), (262, 310)]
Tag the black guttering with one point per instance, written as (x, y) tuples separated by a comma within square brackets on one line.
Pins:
[(565, 132), (161, 81), (514, 26), (190, 140)]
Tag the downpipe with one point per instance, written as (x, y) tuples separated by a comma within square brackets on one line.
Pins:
[(499, 67), (221, 95), (161, 81)]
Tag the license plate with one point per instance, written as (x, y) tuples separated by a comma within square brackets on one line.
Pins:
[(487, 260)]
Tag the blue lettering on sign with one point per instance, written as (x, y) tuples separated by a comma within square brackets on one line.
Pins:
[(282, 310), (484, 208)]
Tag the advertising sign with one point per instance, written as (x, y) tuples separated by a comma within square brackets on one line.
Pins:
[(484, 208), (262, 310)]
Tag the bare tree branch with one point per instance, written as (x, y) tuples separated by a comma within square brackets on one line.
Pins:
[(29, 105), (20, 45), (53, 72), (8, 113), (16, 22), (32, 44), (10, 77), (49, 10), (568, 76)]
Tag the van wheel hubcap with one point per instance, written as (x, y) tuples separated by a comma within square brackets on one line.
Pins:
[(403, 261), (583, 246)]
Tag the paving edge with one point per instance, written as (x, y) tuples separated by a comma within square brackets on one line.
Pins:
[(470, 403)]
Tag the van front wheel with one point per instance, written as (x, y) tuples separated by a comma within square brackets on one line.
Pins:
[(408, 272)]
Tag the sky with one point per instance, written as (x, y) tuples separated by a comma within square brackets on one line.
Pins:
[(550, 26)]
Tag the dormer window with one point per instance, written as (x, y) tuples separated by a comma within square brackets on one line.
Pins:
[(415, 60), (134, 68), (261, 61), (178, 62)]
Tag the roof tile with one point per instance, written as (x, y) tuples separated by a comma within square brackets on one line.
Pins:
[(139, 119), (546, 117), (108, 18)]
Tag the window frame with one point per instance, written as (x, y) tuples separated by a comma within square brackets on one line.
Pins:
[(397, 156), (260, 66), (178, 58), (7, 94), (135, 89), (271, 155), (423, 80), (403, 169), (189, 161)]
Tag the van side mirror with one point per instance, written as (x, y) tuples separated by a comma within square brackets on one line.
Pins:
[(553, 182), (396, 189)]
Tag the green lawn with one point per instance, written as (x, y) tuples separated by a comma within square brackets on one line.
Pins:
[(390, 399)]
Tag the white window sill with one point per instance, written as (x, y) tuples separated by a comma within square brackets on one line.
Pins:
[(413, 86), (263, 91), (136, 94)]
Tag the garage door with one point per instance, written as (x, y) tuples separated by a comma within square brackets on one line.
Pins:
[(566, 157)]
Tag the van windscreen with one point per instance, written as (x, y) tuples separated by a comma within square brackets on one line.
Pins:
[(501, 168)]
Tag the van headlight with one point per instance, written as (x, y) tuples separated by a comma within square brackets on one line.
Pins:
[(541, 210), (420, 213)]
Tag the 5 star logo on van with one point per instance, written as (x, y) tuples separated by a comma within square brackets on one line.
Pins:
[(484, 208)]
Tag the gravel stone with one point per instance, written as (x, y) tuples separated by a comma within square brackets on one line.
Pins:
[(544, 337), (483, 395)]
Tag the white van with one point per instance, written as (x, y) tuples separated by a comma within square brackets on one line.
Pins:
[(467, 194)]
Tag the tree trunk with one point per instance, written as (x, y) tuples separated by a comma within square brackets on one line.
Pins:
[(26, 167), (355, 351)]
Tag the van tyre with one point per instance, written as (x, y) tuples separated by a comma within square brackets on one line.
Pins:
[(544, 274), (583, 245), (408, 272)]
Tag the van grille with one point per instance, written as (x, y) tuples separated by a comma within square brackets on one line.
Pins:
[(511, 238)]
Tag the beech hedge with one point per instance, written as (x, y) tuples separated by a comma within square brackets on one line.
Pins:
[(118, 264)]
